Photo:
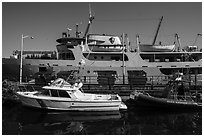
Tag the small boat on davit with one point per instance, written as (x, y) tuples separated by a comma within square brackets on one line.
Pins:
[(177, 97), (61, 95)]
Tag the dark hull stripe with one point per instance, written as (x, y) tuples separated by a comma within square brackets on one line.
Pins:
[(41, 103), (84, 101), (93, 106)]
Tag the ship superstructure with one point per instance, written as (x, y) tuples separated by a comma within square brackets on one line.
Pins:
[(103, 59)]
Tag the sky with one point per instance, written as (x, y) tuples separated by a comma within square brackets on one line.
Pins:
[(46, 21)]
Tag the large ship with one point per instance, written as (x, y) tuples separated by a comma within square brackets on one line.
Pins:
[(102, 59)]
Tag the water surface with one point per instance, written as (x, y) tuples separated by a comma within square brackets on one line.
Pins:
[(26, 121)]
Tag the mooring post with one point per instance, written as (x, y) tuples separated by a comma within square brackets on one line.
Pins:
[(152, 86)]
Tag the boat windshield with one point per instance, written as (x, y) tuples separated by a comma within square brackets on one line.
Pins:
[(53, 93)]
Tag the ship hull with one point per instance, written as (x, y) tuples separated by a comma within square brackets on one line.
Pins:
[(136, 71), (90, 74), (157, 48)]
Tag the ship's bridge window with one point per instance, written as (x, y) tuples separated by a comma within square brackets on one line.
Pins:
[(42, 69), (106, 57), (54, 93), (157, 60), (44, 92), (199, 70), (66, 56), (148, 60), (63, 55), (63, 93), (59, 93), (119, 58), (178, 60), (166, 60)]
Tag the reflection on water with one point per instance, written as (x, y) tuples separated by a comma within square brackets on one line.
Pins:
[(164, 123), (20, 120)]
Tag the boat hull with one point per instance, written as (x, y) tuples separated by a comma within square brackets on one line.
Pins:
[(148, 102), (69, 105), (157, 48)]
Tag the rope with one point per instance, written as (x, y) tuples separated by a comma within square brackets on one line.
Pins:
[(125, 20), (79, 65)]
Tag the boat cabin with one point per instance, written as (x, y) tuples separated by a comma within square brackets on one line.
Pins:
[(104, 43)]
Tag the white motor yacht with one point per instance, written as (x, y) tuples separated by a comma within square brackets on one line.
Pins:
[(61, 95)]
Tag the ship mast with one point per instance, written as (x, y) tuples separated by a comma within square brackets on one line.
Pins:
[(179, 43), (90, 21), (77, 31), (123, 60), (155, 37), (137, 43)]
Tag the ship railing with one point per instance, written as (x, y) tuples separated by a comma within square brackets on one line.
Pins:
[(195, 79), (148, 82), (141, 83)]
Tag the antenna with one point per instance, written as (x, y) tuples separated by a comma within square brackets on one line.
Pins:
[(89, 10)]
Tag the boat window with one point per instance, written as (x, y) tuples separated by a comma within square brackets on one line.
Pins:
[(66, 56), (148, 60), (178, 60), (166, 60), (63, 93), (54, 93), (63, 55), (45, 92), (157, 60), (42, 69), (117, 58)]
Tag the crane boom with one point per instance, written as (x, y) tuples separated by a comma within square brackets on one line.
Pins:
[(90, 21), (155, 37)]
